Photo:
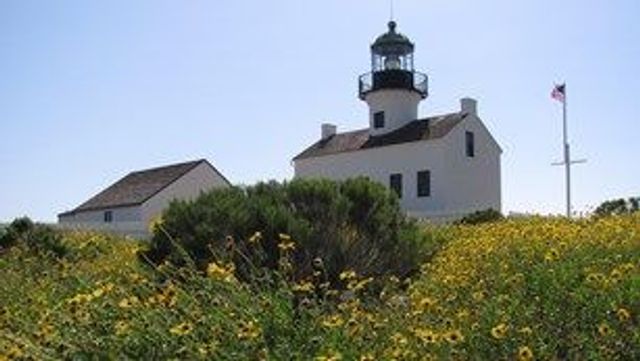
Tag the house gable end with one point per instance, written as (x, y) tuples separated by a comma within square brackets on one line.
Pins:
[(202, 178)]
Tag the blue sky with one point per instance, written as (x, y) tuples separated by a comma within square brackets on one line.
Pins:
[(91, 90)]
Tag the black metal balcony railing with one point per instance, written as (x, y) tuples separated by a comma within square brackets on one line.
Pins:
[(393, 79)]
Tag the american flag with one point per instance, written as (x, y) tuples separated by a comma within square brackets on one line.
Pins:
[(558, 93)]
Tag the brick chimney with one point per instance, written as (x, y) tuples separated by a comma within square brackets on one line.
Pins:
[(469, 105), (328, 130)]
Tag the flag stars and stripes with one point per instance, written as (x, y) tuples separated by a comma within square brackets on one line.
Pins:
[(558, 93)]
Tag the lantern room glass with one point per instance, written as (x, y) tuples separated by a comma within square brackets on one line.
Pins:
[(392, 61)]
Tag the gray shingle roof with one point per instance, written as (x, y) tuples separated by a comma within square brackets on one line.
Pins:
[(417, 130), (137, 187)]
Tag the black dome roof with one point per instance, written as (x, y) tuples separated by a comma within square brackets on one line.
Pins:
[(392, 42)]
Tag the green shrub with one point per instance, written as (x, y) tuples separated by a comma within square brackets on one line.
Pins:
[(15, 231), (484, 216), (35, 236), (356, 224), (617, 207)]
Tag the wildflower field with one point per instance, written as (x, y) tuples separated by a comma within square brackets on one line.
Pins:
[(517, 289)]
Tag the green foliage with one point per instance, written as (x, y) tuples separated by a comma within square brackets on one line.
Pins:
[(478, 217), (617, 207), (15, 231), (524, 289), (35, 236), (356, 224)]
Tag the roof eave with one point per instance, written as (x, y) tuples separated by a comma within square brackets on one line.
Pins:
[(101, 208)]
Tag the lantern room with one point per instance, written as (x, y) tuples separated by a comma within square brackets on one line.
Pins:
[(392, 65)]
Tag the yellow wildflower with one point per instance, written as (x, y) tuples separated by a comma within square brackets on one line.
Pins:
[(97, 293), (202, 351), (525, 354), (347, 275), (479, 295), (80, 298), (500, 331), (107, 287), (454, 336), (426, 336), (552, 255), (249, 331), (286, 244), (426, 303), (15, 353), (604, 330), (303, 287), (256, 238), (359, 285), (156, 223), (623, 315), (129, 302), (333, 321), (463, 314), (398, 339), (616, 275), (331, 356), (169, 296), (181, 329), (627, 267), (525, 330), (121, 327), (595, 277), (45, 331), (221, 273)]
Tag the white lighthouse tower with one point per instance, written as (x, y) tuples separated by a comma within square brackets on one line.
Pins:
[(393, 89), (441, 167)]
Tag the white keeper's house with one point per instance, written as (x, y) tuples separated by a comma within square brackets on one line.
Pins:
[(129, 205), (442, 167)]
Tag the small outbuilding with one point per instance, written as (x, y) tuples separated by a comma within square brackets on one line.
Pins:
[(129, 205)]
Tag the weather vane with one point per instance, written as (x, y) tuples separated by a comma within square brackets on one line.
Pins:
[(391, 10)]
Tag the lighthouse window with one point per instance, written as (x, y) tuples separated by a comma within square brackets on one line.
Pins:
[(424, 183), (378, 120), (470, 144), (395, 183)]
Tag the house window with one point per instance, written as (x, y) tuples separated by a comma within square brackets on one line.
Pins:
[(424, 183), (395, 183), (378, 120), (470, 144), (108, 216)]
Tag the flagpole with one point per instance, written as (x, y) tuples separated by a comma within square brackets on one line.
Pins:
[(567, 155), (560, 94)]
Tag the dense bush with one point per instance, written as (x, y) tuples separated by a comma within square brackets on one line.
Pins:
[(617, 207), (35, 236), (14, 231), (356, 224), (484, 216)]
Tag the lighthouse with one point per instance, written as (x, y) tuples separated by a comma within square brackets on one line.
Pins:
[(392, 89), (441, 167)]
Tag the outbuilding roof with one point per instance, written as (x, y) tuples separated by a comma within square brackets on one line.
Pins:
[(137, 187), (417, 130)]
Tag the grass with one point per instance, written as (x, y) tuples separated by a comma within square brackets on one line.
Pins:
[(534, 288)]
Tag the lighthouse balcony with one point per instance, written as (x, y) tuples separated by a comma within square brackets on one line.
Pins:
[(393, 79)]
